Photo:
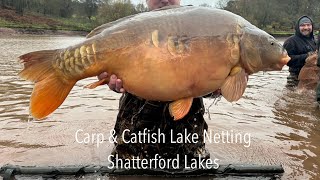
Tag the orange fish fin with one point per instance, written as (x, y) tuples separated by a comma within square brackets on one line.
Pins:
[(178, 109), (50, 88), (309, 73), (37, 65), (48, 95), (235, 84), (97, 83)]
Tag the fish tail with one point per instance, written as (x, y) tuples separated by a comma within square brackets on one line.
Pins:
[(51, 88)]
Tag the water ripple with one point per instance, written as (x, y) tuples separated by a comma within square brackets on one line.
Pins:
[(284, 125)]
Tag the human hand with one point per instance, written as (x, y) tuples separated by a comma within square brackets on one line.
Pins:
[(311, 53), (312, 59), (114, 84)]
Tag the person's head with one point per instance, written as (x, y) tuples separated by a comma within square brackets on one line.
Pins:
[(155, 4), (305, 26)]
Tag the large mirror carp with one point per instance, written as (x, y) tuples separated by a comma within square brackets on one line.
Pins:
[(172, 54)]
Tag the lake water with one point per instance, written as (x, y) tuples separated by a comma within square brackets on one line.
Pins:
[(284, 126)]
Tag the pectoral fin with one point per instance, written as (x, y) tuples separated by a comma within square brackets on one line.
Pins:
[(178, 109), (236, 70), (97, 83), (235, 84)]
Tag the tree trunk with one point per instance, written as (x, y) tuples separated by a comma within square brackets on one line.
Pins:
[(20, 6)]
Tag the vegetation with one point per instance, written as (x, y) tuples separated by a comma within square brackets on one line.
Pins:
[(82, 15), (274, 16)]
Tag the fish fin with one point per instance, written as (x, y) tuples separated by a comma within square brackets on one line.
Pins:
[(50, 89), (178, 109), (48, 95), (37, 65), (309, 73), (235, 70), (235, 84), (97, 83), (168, 7), (101, 28)]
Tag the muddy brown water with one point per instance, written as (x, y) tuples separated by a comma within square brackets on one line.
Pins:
[(276, 126)]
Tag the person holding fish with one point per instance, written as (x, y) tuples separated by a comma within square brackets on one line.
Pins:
[(318, 87), (136, 114), (168, 64), (299, 46)]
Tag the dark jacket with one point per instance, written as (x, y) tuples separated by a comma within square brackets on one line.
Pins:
[(318, 53), (298, 47), (136, 114), (318, 87)]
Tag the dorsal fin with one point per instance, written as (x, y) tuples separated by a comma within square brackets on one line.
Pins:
[(168, 7), (101, 28)]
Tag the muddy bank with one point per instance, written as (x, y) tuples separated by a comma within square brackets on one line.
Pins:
[(19, 31)]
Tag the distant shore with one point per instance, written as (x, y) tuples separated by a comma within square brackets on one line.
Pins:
[(19, 31), (281, 35)]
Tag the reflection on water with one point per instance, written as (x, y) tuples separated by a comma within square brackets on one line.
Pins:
[(284, 125)]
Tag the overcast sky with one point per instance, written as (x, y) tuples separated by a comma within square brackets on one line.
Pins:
[(186, 2)]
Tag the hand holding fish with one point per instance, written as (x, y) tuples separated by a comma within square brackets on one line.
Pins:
[(114, 83), (310, 73), (312, 58)]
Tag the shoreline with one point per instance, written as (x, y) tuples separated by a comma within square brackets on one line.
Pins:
[(39, 32), (4, 31)]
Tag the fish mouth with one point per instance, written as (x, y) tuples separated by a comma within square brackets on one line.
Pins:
[(285, 58), (283, 61)]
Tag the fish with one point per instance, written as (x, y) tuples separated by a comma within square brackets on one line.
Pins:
[(173, 54), (309, 75)]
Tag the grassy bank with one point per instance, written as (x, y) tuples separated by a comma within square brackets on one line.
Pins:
[(281, 33), (9, 19), (37, 22)]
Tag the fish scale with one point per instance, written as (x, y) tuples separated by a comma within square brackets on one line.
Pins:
[(73, 62)]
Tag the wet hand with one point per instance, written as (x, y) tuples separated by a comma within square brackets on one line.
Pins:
[(311, 53), (311, 59), (114, 84)]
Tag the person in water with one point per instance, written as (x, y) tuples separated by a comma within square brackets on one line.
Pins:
[(299, 47), (136, 114), (318, 87)]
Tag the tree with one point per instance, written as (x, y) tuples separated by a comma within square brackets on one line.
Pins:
[(111, 11), (6, 3), (141, 8), (3, 4), (90, 8), (65, 8), (221, 4), (275, 14), (204, 5), (20, 6)]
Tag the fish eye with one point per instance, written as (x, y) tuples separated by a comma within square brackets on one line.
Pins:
[(272, 43)]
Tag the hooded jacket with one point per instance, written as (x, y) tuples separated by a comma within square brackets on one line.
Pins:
[(298, 47), (318, 63)]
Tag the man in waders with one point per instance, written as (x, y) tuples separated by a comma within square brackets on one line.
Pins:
[(299, 46), (152, 117), (318, 87)]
